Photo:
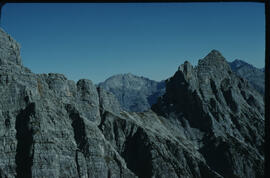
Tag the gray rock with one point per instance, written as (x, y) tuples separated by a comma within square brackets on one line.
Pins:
[(138, 94), (220, 112), (134, 93), (150, 149), (9, 49), (49, 126), (209, 123), (107, 101), (254, 75)]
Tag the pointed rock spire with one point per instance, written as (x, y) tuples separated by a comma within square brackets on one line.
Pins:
[(214, 61)]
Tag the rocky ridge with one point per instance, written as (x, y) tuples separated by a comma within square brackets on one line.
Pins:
[(254, 75), (54, 127), (136, 94), (220, 112)]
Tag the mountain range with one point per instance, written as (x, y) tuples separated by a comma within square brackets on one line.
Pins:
[(208, 123), (138, 94)]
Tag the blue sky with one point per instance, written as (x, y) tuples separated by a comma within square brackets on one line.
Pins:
[(96, 41)]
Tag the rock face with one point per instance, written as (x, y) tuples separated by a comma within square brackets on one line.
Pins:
[(220, 113), (209, 123), (254, 75), (49, 125), (138, 94), (134, 93), (9, 49)]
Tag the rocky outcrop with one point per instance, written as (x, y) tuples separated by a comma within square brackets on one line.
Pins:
[(150, 149), (252, 74), (49, 126), (220, 113), (209, 123), (134, 93), (9, 49)]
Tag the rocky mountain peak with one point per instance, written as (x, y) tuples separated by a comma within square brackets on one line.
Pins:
[(185, 68), (214, 55), (215, 103), (214, 61), (9, 49)]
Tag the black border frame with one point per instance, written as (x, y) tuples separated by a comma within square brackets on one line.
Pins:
[(267, 49)]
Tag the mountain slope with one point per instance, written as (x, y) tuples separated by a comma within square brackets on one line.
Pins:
[(134, 93), (220, 112), (54, 127), (138, 94), (254, 75), (49, 124), (209, 123)]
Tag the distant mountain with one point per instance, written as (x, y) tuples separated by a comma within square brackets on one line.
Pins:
[(134, 93), (247, 71)]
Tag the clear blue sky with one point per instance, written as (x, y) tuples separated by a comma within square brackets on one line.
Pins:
[(95, 41)]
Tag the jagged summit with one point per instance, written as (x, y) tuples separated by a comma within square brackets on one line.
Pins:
[(212, 64), (214, 59), (214, 104), (214, 56), (9, 49), (215, 52)]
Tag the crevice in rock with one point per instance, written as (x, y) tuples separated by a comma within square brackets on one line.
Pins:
[(103, 117), (214, 89), (201, 92), (244, 95), (214, 109), (119, 165), (77, 164), (137, 154), (25, 148), (2, 174), (217, 157), (229, 99), (235, 121), (116, 133), (206, 172), (78, 128), (79, 134), (252, 101), (109, 173), (102, 111), (7, 123), (194, 112)]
